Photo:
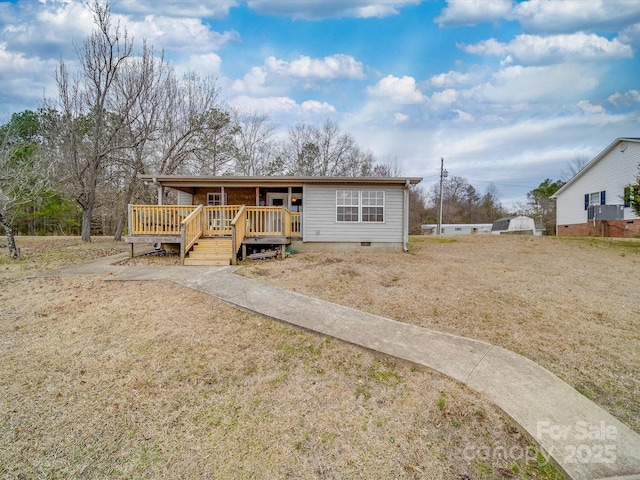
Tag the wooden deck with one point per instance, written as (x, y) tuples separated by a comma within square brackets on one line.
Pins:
[(190, 225)]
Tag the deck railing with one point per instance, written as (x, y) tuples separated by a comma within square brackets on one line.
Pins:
[(191, 229), (216, 220), (293, 223), (157, 219)]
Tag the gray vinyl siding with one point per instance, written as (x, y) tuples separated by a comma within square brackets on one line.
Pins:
[(319, 217)]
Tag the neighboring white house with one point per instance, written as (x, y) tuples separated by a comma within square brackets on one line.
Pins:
[(593, 202), (518, 225), (456, 228)]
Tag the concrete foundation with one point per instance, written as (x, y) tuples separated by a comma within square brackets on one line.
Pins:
[(346, 246)]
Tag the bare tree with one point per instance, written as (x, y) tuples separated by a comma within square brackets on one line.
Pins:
[(23, 172), (189, 135), (255, 147), (90, 120), (462, 203), (324, 151), (574, 167), (388, 167)]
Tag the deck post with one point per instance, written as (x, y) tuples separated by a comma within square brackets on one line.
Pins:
[(129, 220), (244, 252), (183, 240)]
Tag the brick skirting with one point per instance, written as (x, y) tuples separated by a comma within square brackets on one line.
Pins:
[(602, 228)]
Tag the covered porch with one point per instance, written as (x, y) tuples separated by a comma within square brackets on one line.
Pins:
[(212, 235)]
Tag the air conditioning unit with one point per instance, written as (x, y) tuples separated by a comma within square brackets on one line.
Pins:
[(605, 212)]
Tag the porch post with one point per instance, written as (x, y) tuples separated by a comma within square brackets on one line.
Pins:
[(160, 194)]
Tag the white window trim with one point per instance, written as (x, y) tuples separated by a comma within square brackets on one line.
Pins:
[(360, 207)]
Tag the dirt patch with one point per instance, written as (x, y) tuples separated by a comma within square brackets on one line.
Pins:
[(150, 379)]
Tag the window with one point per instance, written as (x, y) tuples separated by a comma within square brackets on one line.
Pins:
[(595, 198), (359, 206), (347, 205), (214, 199), (372, 206)]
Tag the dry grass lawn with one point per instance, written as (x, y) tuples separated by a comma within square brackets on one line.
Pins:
[(570, 304), (153, 380)]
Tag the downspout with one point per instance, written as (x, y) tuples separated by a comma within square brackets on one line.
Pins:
[(405, 216)]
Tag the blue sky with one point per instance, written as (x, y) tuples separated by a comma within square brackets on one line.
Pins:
[(508, 92)]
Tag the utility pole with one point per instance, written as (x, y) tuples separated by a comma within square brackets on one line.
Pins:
[(443, 175)]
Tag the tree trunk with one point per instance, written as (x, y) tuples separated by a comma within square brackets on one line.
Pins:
[(86, 223), (119, 228), (14, 252)]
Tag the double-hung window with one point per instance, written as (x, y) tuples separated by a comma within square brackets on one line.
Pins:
[(347, 205), (595, 198), (365, 206), (372, 206)]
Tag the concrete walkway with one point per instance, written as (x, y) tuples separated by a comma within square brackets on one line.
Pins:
[(584, 440)]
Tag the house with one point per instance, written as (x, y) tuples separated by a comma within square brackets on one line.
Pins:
[(517, 225), (593, 202), (215, 219), (456, 228)]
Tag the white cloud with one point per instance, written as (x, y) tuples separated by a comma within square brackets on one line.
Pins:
[(322, 9), (285, 109), (399, 90), (32, 77), (472, 12), (452, 79), (573, 15), (444, 99), (275, 76), (400, 117), (623, 100), (252, 82), (631, 34), (517, 84), (207, 64), (587, 107), (177, 8), (315, 106), (273, 105), (464, 116), (327, 68), (533, 49), (180, 34), (46, 28)]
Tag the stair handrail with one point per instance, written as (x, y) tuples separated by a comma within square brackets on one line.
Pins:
[(238, 232), (191, 229)]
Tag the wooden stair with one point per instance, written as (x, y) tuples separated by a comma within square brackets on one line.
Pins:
[(210, 251)]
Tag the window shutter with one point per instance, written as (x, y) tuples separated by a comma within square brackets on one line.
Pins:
[(627, 197), (586, 201), (603, 198)]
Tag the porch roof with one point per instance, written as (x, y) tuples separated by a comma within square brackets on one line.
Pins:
[(179, 182)]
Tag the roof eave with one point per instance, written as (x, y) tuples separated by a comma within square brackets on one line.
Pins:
[(194, 181), (598, 157)]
